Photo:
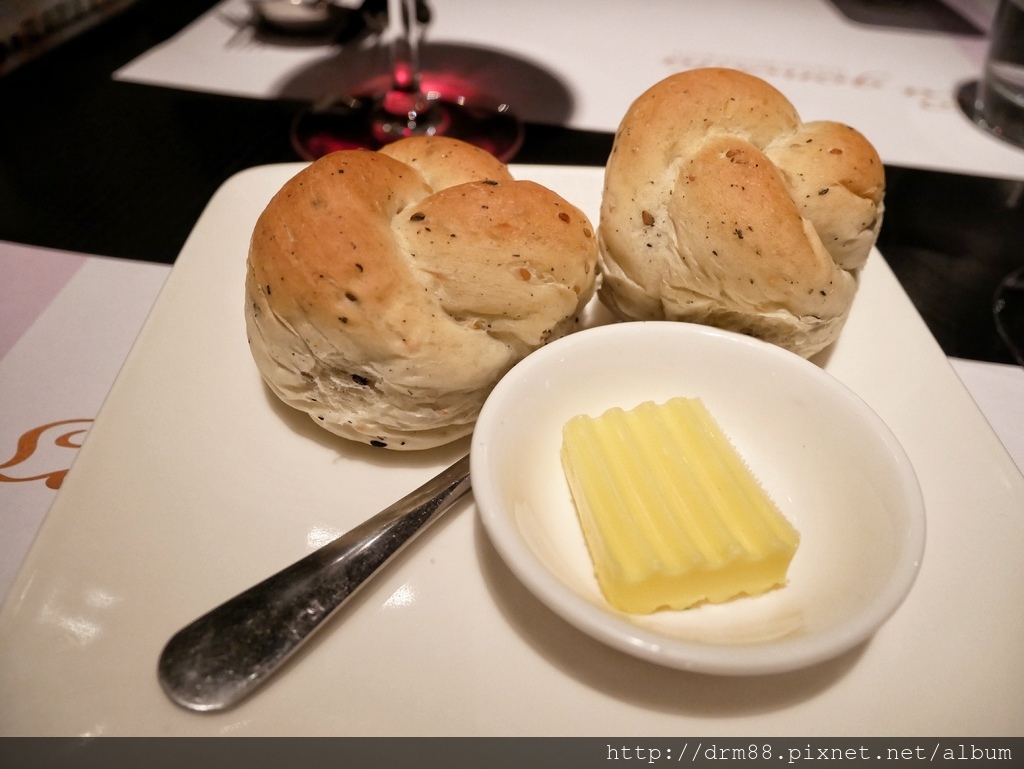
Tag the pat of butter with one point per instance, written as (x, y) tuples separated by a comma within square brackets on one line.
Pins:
[(671, 514)]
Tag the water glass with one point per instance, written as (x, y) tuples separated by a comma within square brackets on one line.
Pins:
[(998, 99)]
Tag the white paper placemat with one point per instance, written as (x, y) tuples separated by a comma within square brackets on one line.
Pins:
[(68, 321)]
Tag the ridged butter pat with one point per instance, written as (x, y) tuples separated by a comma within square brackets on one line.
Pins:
[(671, 514)]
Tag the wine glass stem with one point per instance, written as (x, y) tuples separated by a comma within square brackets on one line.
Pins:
[(406, 110), (405, 65)]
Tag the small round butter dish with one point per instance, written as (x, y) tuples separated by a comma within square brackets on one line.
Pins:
[(830, 464)]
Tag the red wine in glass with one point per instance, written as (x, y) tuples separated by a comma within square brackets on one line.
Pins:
[(409, 103)]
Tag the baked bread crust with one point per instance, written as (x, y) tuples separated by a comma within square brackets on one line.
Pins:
[(721, 207), (387, 292)]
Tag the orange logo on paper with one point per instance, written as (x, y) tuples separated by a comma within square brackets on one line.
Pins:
[(32, 443)]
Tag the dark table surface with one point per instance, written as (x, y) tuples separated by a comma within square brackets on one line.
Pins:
[(119, 169)]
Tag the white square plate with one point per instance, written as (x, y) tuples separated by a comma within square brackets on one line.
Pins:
[(195, 483)]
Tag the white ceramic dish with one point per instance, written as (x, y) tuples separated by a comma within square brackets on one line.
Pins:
[(194, 484), (807, 437)]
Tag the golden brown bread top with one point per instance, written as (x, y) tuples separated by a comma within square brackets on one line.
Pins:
[(443, 163), (337, 280), (719, 201)]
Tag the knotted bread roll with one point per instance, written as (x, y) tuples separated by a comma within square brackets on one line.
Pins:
[(387, 292), (721, 207)]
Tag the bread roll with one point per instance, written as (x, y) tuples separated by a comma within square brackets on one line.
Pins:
[(387, 292), (721, 207)]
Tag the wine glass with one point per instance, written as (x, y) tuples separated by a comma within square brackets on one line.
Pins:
[(996, 101), (371, 117)]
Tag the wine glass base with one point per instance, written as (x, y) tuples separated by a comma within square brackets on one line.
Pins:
[(354, 123), (1001, 118)]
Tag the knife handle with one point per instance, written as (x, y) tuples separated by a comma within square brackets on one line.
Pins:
[(229, 652)]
